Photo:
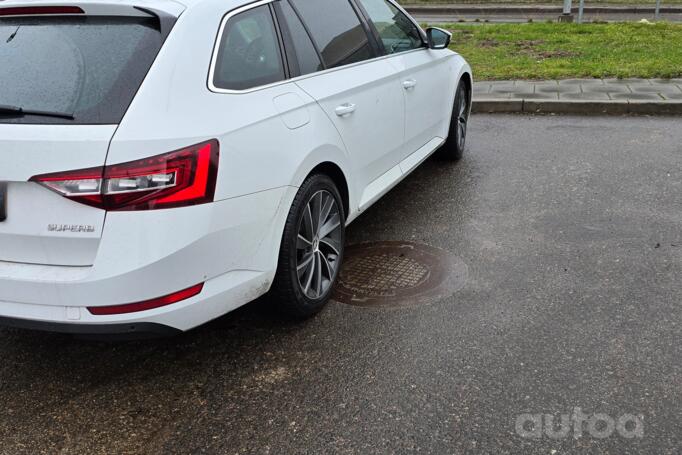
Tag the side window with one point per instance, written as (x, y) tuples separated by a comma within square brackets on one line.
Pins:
[(336, 30), (397, 32), (249, 53), (305, 53)]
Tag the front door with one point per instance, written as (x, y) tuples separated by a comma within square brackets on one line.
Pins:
[(424, 75), (426, 78)]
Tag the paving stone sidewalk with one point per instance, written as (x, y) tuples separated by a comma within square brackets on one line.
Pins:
[(650, 96)]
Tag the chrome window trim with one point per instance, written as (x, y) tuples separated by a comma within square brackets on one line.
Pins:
[(241, 9)]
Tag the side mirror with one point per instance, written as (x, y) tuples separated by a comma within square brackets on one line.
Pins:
[(438, 38)]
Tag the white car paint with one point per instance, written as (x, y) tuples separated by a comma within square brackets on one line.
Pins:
[(375, 120)]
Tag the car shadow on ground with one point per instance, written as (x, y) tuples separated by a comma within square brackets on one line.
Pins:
[(251, 324), (165, 382)]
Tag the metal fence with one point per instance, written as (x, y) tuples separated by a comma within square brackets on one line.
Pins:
[(568, 6)]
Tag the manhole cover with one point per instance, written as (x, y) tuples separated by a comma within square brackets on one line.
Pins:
[(397, 274)]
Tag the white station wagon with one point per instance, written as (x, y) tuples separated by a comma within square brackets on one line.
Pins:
[(164, 162)]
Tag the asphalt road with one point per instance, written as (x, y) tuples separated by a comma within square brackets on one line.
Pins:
[(571, 231)]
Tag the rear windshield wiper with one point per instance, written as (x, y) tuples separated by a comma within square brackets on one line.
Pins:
[(20, 111)]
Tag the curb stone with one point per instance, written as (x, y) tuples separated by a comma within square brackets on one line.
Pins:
[(612, 107), (580, 96)]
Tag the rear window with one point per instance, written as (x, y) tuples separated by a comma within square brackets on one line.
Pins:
[(249, 54), (86, 67)]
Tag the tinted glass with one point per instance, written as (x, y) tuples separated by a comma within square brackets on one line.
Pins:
[(87, 67), (396, 30), (306, 55), (336, 29), (249, 54)]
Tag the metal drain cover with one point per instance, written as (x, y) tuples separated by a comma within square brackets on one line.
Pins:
[(397, 274)]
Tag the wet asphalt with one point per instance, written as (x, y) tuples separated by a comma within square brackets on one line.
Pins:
[(570, 228)]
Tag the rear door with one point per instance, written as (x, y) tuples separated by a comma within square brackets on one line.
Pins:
[(66, 81), (425, 75), (359, 92)]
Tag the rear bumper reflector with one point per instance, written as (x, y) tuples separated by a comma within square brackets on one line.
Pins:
[(147, 304)]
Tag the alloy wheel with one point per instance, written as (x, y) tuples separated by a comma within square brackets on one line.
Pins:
[(462, 117), (318, 248)]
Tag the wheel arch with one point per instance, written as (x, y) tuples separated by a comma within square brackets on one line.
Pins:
[(464, 74), (468, 81), (332, 160), (466, 78), (334, 172)]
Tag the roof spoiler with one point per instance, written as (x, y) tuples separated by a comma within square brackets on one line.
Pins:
[(162, 11), (165, 21)]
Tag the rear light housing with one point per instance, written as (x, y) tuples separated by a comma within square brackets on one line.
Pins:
[(147, 304), (177, 179), (40, 10)]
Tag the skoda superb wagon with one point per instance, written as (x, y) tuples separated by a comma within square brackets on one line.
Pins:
[(163, 162)]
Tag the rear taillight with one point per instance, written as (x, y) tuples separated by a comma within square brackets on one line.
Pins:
[(177, 179), (39, 10)]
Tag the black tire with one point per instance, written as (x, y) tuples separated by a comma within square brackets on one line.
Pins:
[(289, 293), (453, 148)]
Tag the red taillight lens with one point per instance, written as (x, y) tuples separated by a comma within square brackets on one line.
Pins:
[(37, 10), (177, 179), (147, 304)]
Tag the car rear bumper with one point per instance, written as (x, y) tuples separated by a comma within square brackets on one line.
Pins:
[(139, 330), (230, 246), (219, 296)]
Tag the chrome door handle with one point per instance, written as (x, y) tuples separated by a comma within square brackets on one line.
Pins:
[(410, 83), (345, 109)]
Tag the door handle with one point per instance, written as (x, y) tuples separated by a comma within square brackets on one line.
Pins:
[(409, 84), (345, 109)]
